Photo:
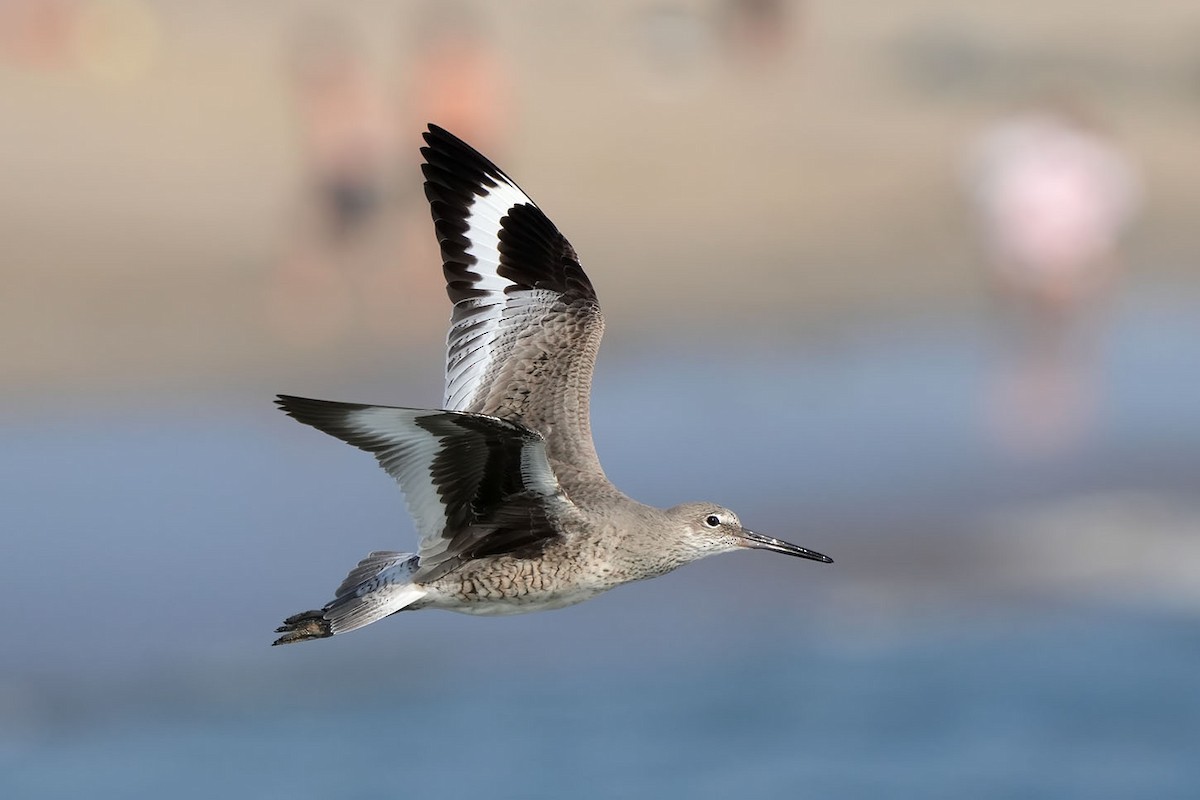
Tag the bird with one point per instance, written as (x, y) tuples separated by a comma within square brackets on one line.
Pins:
[(512, 507)]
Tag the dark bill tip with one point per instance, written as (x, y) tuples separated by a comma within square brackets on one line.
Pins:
[(760, 542)]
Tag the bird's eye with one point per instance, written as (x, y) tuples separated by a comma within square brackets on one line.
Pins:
[(712, 520)]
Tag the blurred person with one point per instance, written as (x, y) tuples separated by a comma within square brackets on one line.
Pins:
[(365, 239), (1053, 195), (347, 143), (346, 134), (454, 77)]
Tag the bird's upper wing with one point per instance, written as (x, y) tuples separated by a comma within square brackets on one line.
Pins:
[(526, 325), (475, 485)]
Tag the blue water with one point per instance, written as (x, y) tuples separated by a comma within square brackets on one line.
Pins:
[(151, 545), (1070, 706)]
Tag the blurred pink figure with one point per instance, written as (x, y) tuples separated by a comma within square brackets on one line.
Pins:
[(1054, 196)]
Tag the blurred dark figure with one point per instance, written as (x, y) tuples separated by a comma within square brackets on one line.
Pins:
[(346, 143), (454, 76), (365, 244), (1053, 195), (345, 130)]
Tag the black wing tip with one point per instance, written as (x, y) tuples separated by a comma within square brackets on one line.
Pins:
[(437, 133), (533, 253), (324, 415), (438, 138), (290, 402), (456, 165)]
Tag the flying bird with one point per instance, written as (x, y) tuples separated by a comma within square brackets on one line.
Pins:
[(514, 511)]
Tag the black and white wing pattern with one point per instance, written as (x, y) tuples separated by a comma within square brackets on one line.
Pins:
[(475, 485), (526, 324)]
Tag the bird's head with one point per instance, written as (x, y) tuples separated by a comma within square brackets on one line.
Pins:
[(709, 529)]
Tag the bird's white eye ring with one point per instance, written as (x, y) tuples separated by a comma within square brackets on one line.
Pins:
[(712, 520)]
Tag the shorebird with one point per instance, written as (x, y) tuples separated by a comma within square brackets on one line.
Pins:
[(513, 509)]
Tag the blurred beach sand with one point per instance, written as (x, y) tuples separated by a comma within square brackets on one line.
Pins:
[(144, 214), (204, 204)]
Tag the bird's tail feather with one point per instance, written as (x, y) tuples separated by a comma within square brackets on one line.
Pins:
[(380, 585)]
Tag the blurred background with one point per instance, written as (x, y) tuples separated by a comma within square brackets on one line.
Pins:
[(913, 284)]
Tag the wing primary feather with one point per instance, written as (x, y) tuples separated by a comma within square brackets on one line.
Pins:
[(459, 472)]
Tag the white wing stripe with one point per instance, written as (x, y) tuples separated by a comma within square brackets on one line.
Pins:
[(417, 454), (470, 363), (465, 374)]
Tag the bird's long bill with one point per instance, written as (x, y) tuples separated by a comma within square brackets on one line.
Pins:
[(760, 542)]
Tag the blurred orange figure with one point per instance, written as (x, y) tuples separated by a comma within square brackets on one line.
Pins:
[(457, 79), (38, 34)]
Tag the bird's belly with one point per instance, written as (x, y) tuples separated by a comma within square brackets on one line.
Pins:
[(516, 586), (525, 604)]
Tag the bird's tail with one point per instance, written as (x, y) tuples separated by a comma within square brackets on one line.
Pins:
[(380, 585)]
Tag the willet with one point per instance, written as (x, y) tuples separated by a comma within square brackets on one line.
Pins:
[(514, 512)]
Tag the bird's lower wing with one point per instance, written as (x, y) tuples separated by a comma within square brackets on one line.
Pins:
[(475, 485)]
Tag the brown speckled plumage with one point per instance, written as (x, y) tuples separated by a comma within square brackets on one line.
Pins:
[(514, 511)]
